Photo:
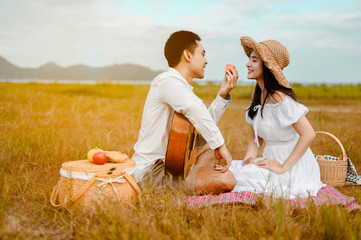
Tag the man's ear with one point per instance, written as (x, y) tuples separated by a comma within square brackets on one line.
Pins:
[(187, 55)]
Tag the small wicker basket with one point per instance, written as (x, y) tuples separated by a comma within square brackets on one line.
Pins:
[(86, 184), (333, 173)]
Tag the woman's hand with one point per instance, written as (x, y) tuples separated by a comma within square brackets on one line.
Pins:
[(273, 165), (247, 161)]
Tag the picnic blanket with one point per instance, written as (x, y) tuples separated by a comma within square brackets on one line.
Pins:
[(325, 196)]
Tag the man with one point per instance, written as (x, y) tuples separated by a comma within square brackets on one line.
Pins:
[(171, 91)]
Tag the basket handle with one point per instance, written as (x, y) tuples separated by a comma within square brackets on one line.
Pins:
[(74, 198), (132, 183), (344, 155)]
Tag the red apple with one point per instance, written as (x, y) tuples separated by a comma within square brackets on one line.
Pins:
[(100, 158), (229, 67)]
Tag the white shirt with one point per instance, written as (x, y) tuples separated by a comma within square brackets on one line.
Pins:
[(170, 92)]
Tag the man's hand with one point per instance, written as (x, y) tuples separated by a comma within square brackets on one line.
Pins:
[(229, 82), (222, 153), (273, 165)]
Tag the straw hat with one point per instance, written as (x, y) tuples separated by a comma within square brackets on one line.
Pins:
[(273, 54)]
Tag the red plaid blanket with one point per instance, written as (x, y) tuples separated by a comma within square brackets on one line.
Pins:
[(326, 196)]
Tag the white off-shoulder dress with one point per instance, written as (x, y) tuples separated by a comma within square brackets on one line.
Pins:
[(275, 127)]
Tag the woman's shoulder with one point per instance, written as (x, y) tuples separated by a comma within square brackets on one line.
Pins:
[(276, 97)]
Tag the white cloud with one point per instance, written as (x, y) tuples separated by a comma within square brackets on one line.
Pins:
[(321, 41)]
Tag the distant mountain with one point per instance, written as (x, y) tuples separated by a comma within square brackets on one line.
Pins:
[(7, 69), (77, 72)]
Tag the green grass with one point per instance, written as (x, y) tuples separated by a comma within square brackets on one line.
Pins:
[(44, 125)]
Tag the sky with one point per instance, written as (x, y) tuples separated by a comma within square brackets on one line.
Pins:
[(323, 37)]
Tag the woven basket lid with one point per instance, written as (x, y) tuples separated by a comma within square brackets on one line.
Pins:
[(86, 166)]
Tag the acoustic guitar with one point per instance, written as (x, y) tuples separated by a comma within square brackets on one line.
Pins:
[(183, 144)]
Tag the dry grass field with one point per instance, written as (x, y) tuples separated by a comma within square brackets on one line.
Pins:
[(44, 125)]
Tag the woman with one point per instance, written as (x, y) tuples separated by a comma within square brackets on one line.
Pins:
[(288, 168)]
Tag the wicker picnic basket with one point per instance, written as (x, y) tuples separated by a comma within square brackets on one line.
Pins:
[(333, 172), (86, 184)]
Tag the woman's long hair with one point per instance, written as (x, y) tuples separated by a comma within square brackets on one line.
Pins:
[(271, 85)]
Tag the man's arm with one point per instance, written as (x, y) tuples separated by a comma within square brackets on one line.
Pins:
[(229, 82), (219, 105), (183, 100), (222, 153)]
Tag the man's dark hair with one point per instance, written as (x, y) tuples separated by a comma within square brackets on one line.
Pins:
[(177, 43)]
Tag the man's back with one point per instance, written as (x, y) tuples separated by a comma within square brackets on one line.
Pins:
[(156, 121)]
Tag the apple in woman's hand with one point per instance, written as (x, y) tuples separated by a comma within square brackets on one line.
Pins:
[(229, 67), (100, 158)]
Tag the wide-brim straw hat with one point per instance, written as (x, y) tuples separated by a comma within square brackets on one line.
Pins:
[(273, 54)]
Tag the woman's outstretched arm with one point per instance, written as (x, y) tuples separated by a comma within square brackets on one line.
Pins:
[(252, 148)]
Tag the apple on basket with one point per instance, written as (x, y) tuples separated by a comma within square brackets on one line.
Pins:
[(229, 67), (100, 158), (92, 152)]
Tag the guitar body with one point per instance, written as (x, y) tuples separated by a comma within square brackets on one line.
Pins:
[(182, 146)]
